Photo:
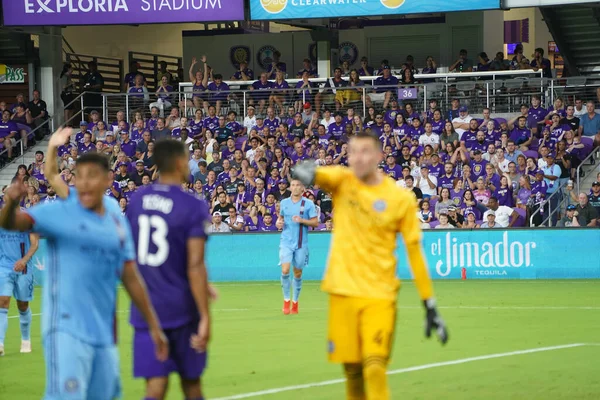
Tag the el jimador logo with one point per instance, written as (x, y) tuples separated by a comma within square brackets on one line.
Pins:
[(277, 6)]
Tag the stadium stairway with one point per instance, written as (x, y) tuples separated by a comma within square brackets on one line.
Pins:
[(9, 171)]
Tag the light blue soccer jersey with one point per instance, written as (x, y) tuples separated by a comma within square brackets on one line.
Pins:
[(13, 246), (85, 256), (294, 235)]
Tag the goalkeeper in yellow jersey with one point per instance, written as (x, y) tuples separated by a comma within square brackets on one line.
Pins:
[(361, 276)]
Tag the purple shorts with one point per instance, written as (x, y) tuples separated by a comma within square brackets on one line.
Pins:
[(182, 358)]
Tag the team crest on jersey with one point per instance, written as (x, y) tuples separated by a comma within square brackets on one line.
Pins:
[(379, 206), (71, 385), (348, 52), (237, 54), (264, 56)]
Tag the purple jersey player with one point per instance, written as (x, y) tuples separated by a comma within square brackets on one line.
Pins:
[(168, 227)]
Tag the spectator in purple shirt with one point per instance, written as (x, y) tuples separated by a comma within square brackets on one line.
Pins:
[(267, 224), (128, 146), (219, 92), (478, 164), (337, 129), (260, 92), (382, 90), (535, 114), (520, 134), (272, 121), (430, 68), (243, 73), (276, 65), (539, 62), (8, 131), (308, 69), (392, 169), (86, 146), (279, 92), (299, 154), (365, 69)]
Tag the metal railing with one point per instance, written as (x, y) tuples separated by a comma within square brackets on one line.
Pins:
[(150, 65), (501, 96), (578, 174), (547, 203), (111, 70), (48, 123)]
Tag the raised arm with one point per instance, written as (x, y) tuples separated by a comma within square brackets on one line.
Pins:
[(51, 167), (11, 218)]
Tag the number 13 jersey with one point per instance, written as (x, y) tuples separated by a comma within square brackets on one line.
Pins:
[(163, 218)]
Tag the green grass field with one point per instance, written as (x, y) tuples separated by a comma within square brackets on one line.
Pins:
[(255, 347)]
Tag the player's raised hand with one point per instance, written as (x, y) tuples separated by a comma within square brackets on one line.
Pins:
[(433, 322), (200, 341), (161, 344), (59, 137), (16, 191)]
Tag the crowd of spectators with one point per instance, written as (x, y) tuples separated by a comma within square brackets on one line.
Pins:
[(465, 172)]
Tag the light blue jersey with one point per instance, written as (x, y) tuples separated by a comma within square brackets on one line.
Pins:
[(86, 253), (295, 236), (85, 257), (13, 246)]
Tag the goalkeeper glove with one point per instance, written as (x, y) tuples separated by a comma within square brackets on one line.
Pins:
[(305, 172), (434, 322)]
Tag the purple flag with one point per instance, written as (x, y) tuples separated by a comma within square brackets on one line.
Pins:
[(117, 12)]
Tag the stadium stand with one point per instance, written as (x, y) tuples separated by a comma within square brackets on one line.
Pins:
[(503, 146)]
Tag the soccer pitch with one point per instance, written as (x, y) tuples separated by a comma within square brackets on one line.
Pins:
[(508, 340)]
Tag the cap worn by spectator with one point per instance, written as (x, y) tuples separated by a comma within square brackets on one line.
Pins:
[(463, 109), (262, 159), (451, 208), (424, 166), (386, 67), (572, 207), (82, 123), (110, 133), (488, 213), (123, 164), (469, 212), (250, 107), (306, 105), (139, 162), (260, 117), (539, 172), (477, 152), (596, 183), (282, 181), (217, 214), (94, 112)]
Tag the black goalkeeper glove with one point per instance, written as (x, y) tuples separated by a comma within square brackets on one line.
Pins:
[(434, 322)]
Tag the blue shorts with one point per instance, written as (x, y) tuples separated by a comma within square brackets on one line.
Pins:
[(16, 284), (76, 370), (297, 257)]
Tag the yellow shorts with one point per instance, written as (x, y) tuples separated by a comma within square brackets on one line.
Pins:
[(360, 328)]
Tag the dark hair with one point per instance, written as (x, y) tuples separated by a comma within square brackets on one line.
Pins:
[(65, 69), (165, 153), (94, 159), (39, 152)]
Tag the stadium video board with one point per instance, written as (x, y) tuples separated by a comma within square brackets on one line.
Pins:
[(118, 12), (300, 9)]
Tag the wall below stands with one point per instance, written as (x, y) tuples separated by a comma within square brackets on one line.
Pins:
[(484, 253)]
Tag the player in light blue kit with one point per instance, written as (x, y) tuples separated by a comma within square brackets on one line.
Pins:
[(89, 248), (297, 214), (16, 280)]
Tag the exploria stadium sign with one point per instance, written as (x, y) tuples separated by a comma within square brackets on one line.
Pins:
[(117, 12)]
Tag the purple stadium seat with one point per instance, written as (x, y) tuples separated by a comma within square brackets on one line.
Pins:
[(531, 153), (499, 120), (522, 217), (432, 203), (433, 224)]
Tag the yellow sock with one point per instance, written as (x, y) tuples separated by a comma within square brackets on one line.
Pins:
[(355, 384), (374, 372)]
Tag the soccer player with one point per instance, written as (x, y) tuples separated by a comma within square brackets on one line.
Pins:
[(89, 248), (297, 214), (169, 230), (16, 279), (361, 276)]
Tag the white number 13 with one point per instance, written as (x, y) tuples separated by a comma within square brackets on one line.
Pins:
[(159, 238)]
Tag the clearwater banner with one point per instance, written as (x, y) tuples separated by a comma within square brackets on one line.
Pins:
[(300, 9)]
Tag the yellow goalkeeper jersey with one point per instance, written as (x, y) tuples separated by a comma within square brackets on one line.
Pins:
[(362, 259)]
